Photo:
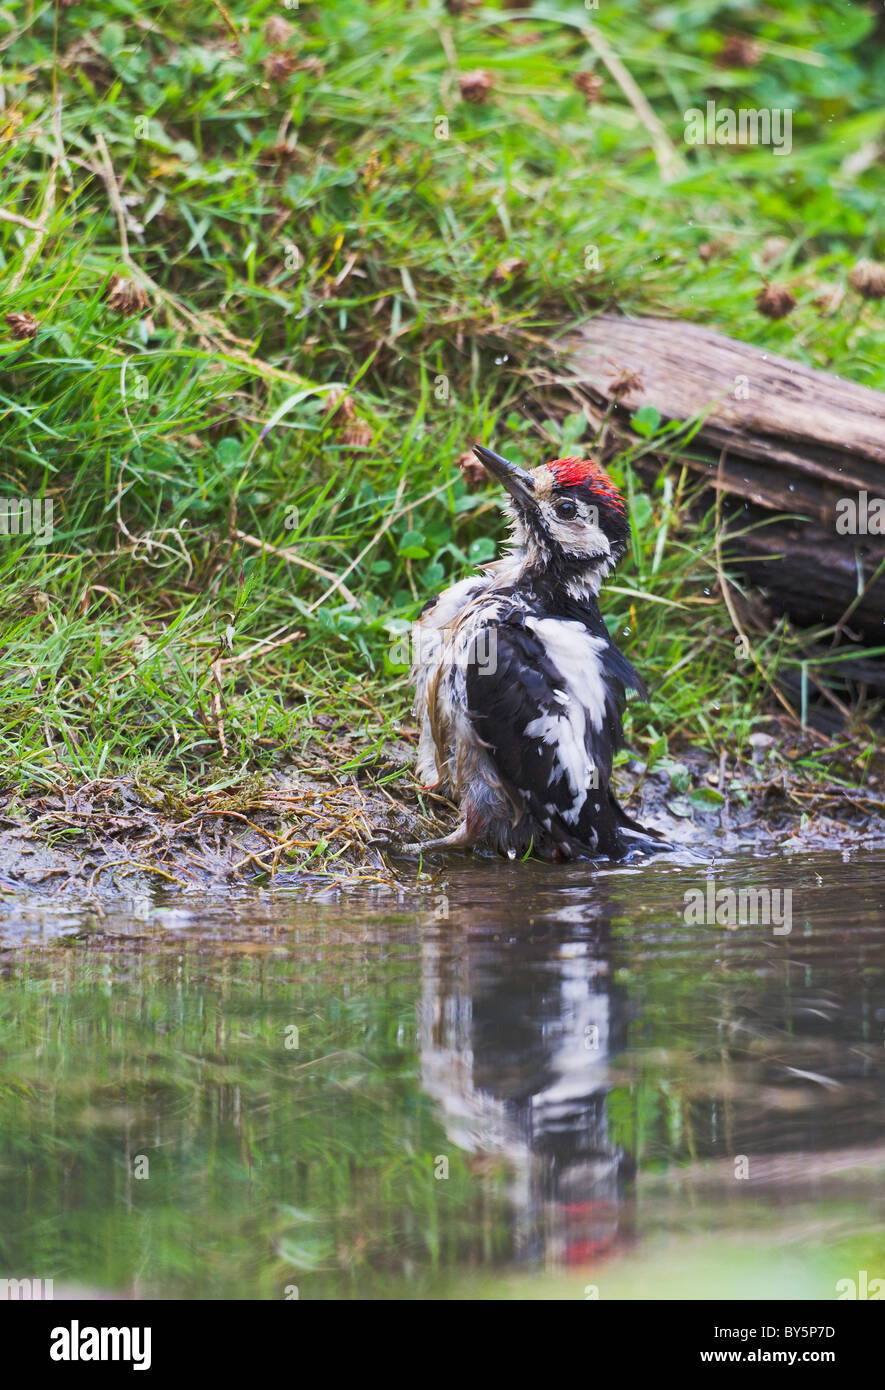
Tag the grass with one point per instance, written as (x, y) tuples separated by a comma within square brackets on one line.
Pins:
[(252, 456)]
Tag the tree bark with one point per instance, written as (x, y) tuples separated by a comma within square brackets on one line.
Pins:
[(778, 436)]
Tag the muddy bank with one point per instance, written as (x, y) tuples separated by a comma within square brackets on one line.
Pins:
[(120, 838), (113, 840)]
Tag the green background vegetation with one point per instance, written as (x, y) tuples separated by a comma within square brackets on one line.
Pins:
[(299, 230)]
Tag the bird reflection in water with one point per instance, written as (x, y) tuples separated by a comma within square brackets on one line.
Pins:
[(519, 1024)]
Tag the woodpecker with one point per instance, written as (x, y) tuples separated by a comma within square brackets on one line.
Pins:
[(519, 688)]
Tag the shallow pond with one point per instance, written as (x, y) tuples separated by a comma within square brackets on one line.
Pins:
[(525, 1080)]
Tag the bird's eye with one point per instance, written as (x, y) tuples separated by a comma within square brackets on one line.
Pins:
[(566, 509)]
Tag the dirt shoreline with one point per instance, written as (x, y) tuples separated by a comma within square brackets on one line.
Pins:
[(110, 840)]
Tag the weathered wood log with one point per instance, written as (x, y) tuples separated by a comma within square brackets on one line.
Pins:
[(779, 437)]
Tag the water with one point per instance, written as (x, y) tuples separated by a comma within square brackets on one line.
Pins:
[(531, 1081)]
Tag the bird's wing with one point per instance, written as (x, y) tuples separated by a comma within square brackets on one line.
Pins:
[(552, 750)]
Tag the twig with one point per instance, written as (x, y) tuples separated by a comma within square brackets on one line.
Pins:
[(173, 305), (134, 863), (670, 164), (218, 707), (20, 221), (397, 512), (385, 526), (110, 182), (286, 554), (228, 21), (261, 649), (32, 250)]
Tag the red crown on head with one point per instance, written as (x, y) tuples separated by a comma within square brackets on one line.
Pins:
[(575, 472)]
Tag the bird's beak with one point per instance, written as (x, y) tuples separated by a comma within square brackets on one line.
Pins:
[(519, 483)]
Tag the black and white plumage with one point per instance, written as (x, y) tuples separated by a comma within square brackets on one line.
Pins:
[(519, 686)]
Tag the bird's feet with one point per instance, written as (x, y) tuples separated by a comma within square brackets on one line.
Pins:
[(462, 837)]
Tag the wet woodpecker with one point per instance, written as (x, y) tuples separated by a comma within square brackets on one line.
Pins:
[(519, 687)]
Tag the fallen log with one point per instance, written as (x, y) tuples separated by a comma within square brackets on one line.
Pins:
[(798, 447)]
